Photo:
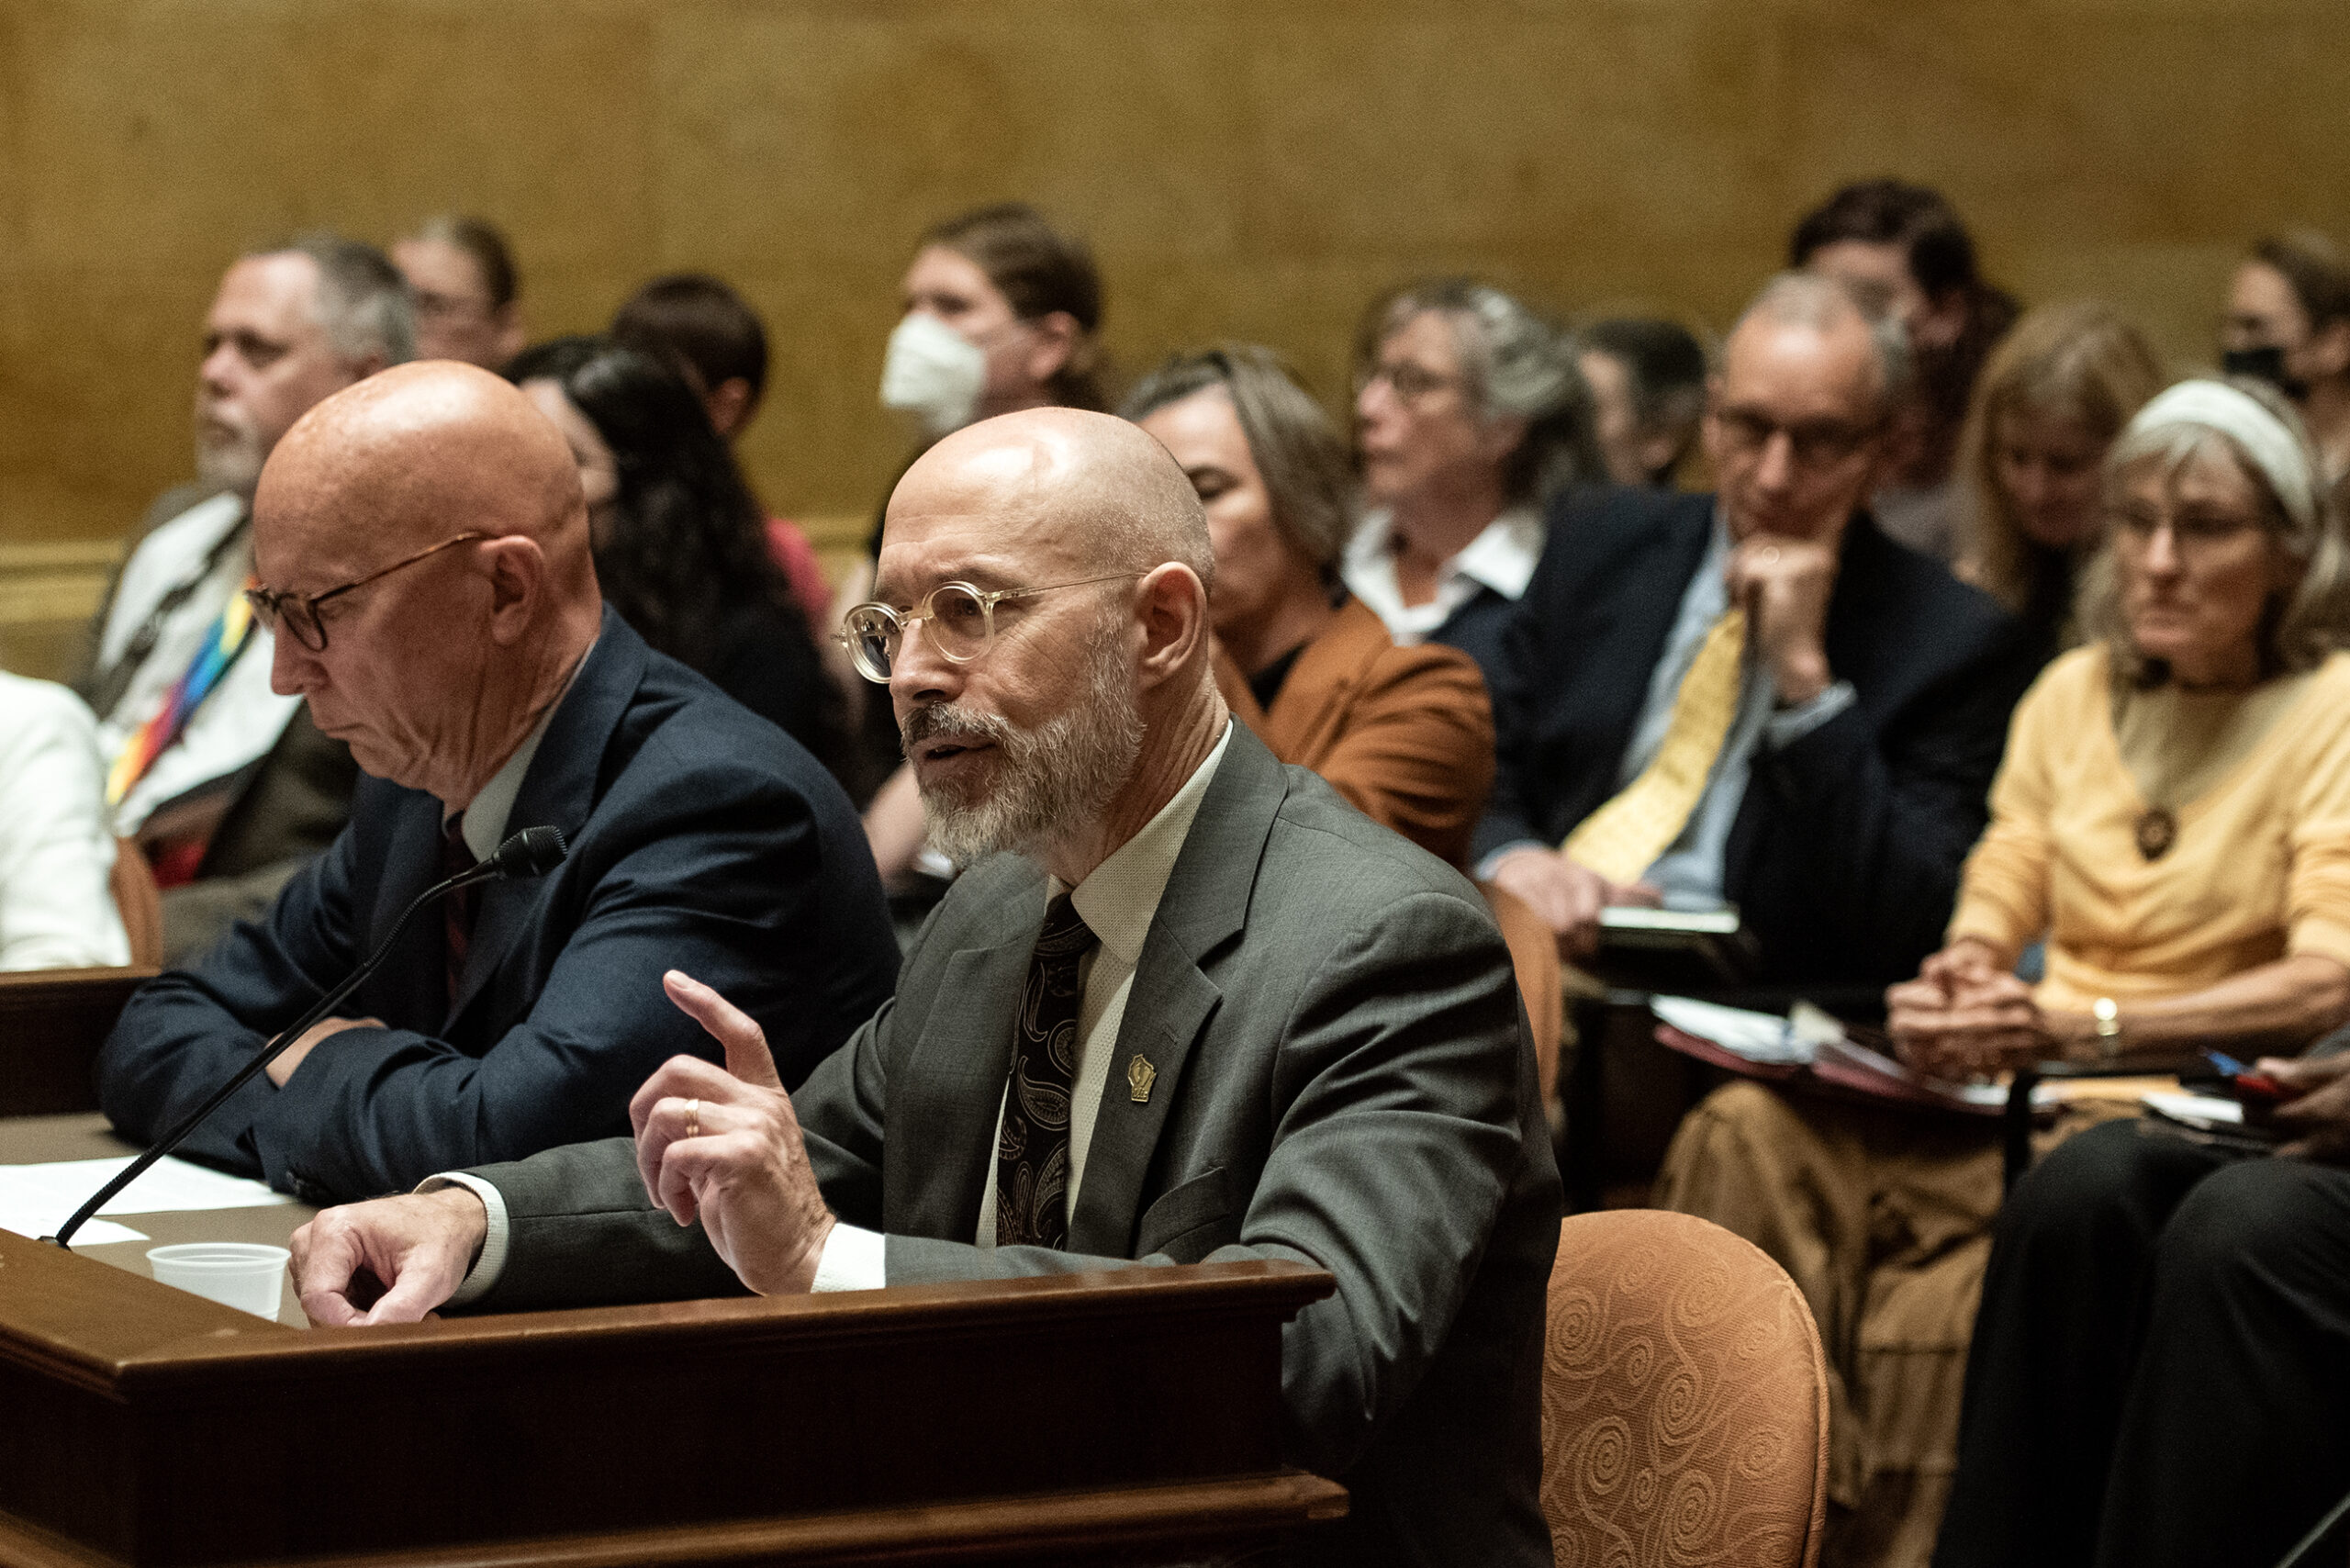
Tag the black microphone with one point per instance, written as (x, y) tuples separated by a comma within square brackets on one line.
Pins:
[(533, 852)]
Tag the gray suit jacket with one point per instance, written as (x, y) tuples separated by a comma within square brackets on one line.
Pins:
[(1344, 1081)]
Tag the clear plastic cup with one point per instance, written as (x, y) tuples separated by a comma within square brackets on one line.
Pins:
[(245, 1275)]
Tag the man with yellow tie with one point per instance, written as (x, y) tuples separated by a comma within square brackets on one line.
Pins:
[(1755, 698)]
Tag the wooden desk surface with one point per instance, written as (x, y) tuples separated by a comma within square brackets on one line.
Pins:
[(28, 1140)]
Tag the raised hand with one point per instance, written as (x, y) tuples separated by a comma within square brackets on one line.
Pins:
[(723, 1146), (1784, 585)]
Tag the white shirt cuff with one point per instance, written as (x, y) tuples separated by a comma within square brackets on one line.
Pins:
[(1785, 729), (1485, 867), (492, 1261), (852, 1260)]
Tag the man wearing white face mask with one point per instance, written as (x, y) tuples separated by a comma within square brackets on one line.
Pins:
[(1000, 312)]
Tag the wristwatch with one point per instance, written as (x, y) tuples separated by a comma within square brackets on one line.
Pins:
[(2109, 1027)]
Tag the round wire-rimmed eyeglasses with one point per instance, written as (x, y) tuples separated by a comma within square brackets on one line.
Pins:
[(961, 618)]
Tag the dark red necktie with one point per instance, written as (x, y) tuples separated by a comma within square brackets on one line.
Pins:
[(1032, 1150), (457, 908)]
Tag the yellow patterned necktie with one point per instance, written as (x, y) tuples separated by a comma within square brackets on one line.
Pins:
[(1625, 836)]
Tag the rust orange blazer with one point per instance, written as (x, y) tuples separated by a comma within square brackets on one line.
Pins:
[(1406, 735)]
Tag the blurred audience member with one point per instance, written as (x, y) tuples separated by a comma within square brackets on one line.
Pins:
[(679, 543), (424, 543), (226, 784), (2288, 323), (713, 338), (1756, 697), (1403, 734), (1904, 251), (1648, 387), (1000, 310), (57, 910), (2032, 458), (2174, 813), (1470, 415), (462, 279)]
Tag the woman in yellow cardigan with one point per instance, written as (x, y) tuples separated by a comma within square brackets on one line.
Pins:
[(2173, 815)]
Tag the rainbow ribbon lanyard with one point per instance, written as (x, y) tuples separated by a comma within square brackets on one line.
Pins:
[(220, 650)]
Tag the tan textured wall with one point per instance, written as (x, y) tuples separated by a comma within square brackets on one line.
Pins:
[(1253, 167)]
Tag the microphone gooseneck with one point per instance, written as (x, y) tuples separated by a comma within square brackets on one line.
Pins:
[(533, 852)]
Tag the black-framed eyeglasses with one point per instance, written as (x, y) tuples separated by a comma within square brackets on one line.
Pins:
[(1818, 443), (961, 618), (298, 613)]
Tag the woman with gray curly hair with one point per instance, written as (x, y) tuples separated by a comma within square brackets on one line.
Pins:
[(1470, 415), (2172, 818)]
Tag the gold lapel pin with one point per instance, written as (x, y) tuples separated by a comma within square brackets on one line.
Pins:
[(1140, 1076)]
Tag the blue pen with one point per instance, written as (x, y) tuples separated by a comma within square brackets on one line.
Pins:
[(2228, 1066)]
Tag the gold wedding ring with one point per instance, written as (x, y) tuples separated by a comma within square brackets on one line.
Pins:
[(693, 1118)]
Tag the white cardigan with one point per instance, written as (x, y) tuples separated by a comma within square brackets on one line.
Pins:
[(56, 849)]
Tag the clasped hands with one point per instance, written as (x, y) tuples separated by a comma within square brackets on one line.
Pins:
[(722, 1145), (1967, 1014)]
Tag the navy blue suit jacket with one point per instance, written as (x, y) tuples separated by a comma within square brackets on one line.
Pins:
[(702, 838), (1845, 853)]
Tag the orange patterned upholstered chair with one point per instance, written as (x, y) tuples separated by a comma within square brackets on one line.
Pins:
[(1684, 1404)]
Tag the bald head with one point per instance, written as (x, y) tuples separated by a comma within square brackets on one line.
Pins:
[(428, 528), (415, 454), (1095, 493)]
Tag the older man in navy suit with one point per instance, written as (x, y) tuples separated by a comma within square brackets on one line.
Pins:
[(1756, 697), (422, 540)]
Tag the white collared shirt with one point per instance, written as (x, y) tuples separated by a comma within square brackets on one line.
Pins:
[(1118, 901), (1502, 558)]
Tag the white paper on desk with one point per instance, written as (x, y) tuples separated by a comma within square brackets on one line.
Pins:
[(1757, 1036), (39, 1217), (171, 1185)]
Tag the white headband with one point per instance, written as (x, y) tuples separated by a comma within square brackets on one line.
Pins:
[(2261, 435)]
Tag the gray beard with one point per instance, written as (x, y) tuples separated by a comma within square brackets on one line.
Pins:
[(1051, 780)]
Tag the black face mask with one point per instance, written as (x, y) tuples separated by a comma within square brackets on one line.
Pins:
[(2266, 362)]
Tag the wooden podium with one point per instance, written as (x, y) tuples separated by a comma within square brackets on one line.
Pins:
[(52, 1023), (1128, 1416)]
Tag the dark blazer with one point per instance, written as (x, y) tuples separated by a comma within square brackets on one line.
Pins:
[(1343, 1079), (1845, 853), (701, 838), (1479, 628)]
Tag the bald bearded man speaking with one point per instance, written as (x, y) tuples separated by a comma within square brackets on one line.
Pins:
[(1236, 1019), (422, 538)]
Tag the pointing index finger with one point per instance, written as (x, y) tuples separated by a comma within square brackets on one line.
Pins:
[(747, 1057)]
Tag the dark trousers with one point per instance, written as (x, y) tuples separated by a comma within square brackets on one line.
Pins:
[(2161, 1367)]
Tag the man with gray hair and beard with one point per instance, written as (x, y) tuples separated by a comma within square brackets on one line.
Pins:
[(1185, 1005), (227, 786)]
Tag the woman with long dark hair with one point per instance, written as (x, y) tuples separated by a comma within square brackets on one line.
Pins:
[(679, 540)]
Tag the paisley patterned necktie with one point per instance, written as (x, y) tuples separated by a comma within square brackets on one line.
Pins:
[(1032, 1152)]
